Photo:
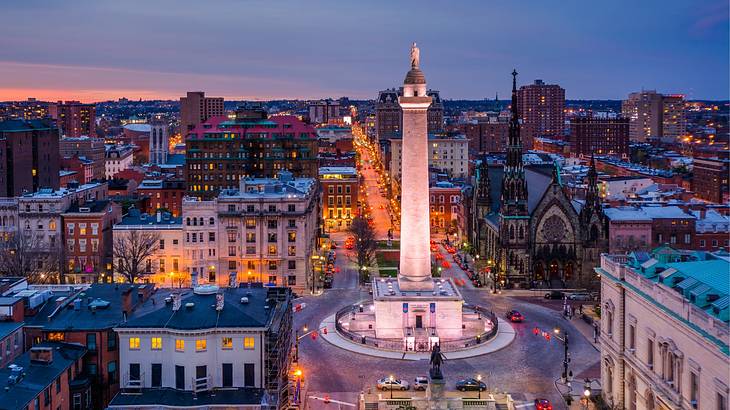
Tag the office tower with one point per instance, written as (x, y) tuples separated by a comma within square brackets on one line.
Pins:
[(196, 108)]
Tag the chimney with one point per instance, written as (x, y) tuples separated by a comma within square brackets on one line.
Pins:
[(41, 355), (127, 299)]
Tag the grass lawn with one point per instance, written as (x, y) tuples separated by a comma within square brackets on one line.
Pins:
[(384, 245), (388, 272), (385, 263)]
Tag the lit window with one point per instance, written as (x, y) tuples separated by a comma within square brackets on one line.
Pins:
[(133, 343), (180, 345), (156, 343), (227, 343), (56, 337), (201, 345), (248, 343)]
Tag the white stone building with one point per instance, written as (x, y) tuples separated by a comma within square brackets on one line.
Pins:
[(207, 348), (265, 231), (447, 154), (117, 158), (664, 336)]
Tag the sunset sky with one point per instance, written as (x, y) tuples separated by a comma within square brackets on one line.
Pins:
[(98, 50)]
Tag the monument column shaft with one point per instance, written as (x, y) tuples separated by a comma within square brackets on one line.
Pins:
[(415, 258)]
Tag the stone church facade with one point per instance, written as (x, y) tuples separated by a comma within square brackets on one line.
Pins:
[(526, 224)]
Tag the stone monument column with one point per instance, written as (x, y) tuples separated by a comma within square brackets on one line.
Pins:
[(415, 258)]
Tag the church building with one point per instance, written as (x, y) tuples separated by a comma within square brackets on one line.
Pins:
[(528, 226)]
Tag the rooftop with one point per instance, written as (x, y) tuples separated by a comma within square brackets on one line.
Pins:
[(646, 213), (19, 125), (7, 328), (242, 307), (349, 171), (37, 375), (135, 218), (384, 289)]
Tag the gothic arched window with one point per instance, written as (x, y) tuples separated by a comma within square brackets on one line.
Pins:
[(522, 232), (512, 232)]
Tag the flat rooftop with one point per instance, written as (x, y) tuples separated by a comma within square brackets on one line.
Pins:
[(388, 288)]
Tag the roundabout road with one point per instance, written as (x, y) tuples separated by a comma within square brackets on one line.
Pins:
[(527, 368)]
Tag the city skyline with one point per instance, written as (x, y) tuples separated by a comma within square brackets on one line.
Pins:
[(95, 52)]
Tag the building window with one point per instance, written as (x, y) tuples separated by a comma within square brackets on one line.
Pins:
[(272, 265), (180, 345), (227, 343), (201, 345), (687, 238), (702, 243), (232, 252), (56, 337), (292, 236), (133, 343), (632, 338), (292, 223), (250, 223), (211, 236), (271, 223), (291, 208), (231, 237), (292, 250), (650, 353), (162, 244), (292, 280), (250, 237), (721, 400), (694, 389), (111, 340), (249, 343), (292, 264), (90, 341), (272, 249), (112, 371), (156, 343), (272, 237)]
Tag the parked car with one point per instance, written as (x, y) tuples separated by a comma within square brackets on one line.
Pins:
[(556, 294), (420, 383), (515, 316), (470, 385), (580, 296), (543, 404), (386, 384)]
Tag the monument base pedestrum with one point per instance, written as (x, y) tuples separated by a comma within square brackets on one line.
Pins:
[(436, 390), (420, 318)]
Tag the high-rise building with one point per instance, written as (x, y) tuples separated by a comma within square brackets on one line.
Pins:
[(601, 136), (196, 108), (29, 157), (674, 119), (389, 116), (73, 118), (655, 115), (89, 148), (159, 140), (222, 151), (542, 109)]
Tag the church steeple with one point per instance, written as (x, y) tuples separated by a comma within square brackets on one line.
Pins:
[(593, 199), (484, 197), (514, 185)]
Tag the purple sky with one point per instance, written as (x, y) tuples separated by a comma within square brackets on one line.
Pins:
[(95, 50)]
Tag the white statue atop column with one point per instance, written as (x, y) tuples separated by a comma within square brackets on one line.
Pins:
[(415, 55)]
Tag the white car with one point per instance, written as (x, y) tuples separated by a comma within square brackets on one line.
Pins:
[(420, 383), (396, 384)]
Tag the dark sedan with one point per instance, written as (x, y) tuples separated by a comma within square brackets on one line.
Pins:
[(515, 316), (470, 385)]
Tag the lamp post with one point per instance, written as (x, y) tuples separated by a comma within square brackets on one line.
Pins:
[(391, 379), (479, 385), (566, 359)]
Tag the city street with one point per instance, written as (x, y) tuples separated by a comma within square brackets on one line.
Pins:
[(342, 374)]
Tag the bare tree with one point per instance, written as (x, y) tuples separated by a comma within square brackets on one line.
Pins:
[(365, 243), (131, 252), (26, 254)]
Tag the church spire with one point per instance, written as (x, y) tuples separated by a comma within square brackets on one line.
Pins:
[(514, 186), (484, 188), (593, 199)]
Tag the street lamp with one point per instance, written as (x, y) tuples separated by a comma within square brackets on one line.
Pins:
[(479, 385), (566, 359), (391, 379)]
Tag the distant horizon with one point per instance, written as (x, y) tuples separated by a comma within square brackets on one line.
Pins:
[(94, 51)]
